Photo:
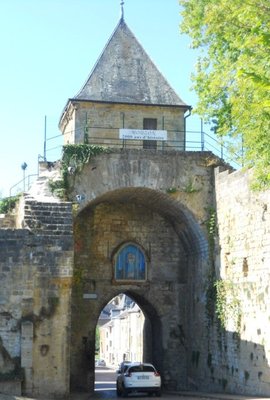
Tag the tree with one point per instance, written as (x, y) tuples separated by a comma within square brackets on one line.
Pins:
[(232, 77)]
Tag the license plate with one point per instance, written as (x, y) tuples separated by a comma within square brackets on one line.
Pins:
[(143, 377)]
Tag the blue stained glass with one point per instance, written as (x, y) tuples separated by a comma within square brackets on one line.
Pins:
[(130, 264)]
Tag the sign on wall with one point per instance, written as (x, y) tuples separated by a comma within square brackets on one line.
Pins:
[(142, 134)]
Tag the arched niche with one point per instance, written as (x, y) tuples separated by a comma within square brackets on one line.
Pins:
[(129, 264)]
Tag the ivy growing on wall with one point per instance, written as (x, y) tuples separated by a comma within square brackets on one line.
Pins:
[(228, 304), (211, 229), (211, 288), (221, 295), (77, 155), (74, 157)]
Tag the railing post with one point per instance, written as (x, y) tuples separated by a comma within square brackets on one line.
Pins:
[(202, 136)]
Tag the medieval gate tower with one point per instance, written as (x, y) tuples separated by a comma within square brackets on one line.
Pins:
[(140, 217)]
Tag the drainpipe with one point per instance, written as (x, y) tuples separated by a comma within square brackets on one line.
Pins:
[(185, 123)]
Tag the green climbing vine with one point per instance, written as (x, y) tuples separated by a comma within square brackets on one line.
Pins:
[(74, 157), (228, 307), (211, 294), (221, 295), (211, 228), (77, 155)]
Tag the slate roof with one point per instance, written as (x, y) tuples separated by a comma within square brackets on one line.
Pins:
[(124, 73)]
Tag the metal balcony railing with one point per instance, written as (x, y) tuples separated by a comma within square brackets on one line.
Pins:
[(109, 137), (23, 185)]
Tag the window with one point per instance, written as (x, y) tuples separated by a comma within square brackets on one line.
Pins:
[(150, 123), (142, 368)]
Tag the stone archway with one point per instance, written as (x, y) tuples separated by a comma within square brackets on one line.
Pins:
[(147, 329), (174, 245)]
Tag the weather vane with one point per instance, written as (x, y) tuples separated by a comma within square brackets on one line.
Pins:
[(122, 9)]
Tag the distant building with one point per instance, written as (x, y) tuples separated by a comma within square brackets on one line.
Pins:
[(121, 338)]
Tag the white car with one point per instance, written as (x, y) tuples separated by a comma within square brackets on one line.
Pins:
[(138, 377)]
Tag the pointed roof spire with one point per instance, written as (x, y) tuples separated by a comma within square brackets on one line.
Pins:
[(122, 9), (124, 73)]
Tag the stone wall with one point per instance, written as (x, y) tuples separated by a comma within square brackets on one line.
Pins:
[(163, 203), (244, 259), (237, 357), (36, 269), (101, 123), (104, 229)]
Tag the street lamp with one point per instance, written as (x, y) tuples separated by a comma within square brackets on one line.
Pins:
[(23, 167)]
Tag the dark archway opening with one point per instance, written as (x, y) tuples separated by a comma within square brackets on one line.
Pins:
[(125, 332)]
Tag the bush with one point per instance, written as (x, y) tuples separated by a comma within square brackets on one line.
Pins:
[(8, 204)]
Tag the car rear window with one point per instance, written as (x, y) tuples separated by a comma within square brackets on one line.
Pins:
[(141, 368)]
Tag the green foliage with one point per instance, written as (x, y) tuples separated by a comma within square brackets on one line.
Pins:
[(227, 304), (211, 293), (211, 228), (232, 79), (74, 157), (77, 155), (190, 187), (8, 204), (58, 187), (171, 190)]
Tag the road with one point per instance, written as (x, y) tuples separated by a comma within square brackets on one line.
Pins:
[(105, 388), (105, 383)]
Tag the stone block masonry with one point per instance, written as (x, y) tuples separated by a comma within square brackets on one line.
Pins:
[(36, 271), (243, 261), (51, 295), (48, 218)]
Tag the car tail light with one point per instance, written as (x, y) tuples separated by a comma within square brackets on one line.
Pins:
[(157, 373)]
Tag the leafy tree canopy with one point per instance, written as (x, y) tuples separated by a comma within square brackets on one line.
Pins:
[(232, 78)]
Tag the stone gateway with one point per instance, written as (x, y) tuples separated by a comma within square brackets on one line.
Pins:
[(177, 231)]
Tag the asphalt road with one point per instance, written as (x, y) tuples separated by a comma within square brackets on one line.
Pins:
[(105, 388)]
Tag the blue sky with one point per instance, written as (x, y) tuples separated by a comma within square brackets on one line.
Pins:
[(48, 48)]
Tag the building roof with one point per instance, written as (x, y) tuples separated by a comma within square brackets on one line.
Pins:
[(124, 73)]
